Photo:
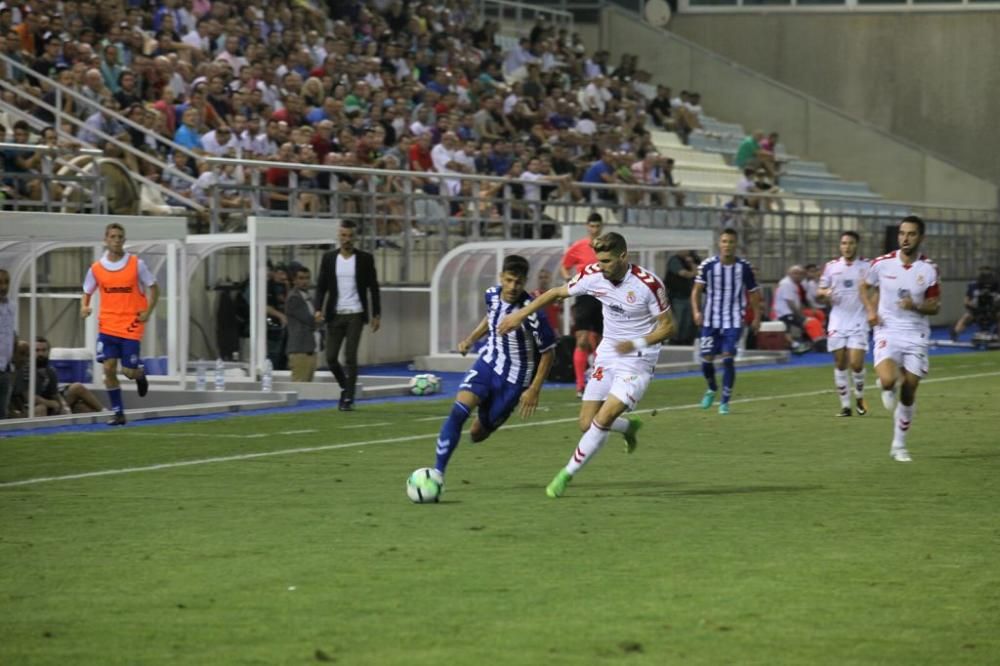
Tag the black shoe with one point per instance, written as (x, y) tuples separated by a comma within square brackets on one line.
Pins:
[(846, 411), (142, 384), (862, 407), (346, 405), (117, 420)]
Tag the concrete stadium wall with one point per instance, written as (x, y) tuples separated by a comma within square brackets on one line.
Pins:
[(809, 127), (930, 77)]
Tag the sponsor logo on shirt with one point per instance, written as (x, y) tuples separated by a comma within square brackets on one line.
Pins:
[(117, 290)]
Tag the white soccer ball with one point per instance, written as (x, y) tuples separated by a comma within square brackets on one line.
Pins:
[(425, 485), (425, 384)]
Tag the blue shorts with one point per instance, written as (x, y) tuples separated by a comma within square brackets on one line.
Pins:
[(715, 341), (110, 346), (497, 397)]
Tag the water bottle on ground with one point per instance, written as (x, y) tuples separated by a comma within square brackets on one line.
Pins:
[(267, 378), (200, 379), (220, 375)]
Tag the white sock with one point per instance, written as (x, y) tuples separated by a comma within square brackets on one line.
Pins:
[(903, 419), (843, 390), (590, 443), (859, 383), (619, 425)]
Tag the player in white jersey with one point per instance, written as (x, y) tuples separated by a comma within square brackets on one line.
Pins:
[(637, 320), (908, 293), (847, 331)]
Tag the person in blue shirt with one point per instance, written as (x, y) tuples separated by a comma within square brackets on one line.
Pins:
[(510, 368), (187, 134), (725, 280), (602, 172)]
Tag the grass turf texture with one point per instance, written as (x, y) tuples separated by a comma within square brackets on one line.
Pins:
[(777, 535)]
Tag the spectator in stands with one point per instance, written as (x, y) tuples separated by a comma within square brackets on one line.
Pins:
[(660, 108), (750, 155), (219, 142), (603, 171), (187, 134)]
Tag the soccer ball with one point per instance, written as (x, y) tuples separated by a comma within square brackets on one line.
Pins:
[(425, 485), (425, 384)]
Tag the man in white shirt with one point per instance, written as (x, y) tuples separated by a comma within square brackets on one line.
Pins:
[(637, 320), (847, 333), (219, 141), (445, 156), (347, 298), (909, 293)]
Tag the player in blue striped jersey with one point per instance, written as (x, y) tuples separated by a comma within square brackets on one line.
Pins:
[(725, 280), (510, 369)]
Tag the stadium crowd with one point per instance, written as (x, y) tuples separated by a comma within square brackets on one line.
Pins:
[(395, 85)]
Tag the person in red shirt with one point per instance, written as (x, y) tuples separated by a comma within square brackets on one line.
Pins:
[(588, 321)]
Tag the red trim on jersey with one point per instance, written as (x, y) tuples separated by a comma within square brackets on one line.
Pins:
[(891, 255), (589, 269), (654, 285), (933, 291)]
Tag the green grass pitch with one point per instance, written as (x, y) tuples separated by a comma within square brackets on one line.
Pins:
[(776, 535)]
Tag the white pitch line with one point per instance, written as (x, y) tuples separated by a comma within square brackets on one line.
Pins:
[(366, 425), (256, 435), (410, 438)]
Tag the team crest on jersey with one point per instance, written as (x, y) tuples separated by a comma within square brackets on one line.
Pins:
[(630, 297), (920, 280)]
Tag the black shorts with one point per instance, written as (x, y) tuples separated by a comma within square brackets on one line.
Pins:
[(587, 315)]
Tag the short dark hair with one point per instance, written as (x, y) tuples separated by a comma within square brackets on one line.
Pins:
[(914, 219), (113, 225), (729, 231), (852, 234), (349, 224), (516, 265), (595, 217), (610, 242), (811, 266), (301, 269)]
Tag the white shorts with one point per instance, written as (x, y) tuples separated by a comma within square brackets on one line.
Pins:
[(626, 378), (850, 341), (906, 350)]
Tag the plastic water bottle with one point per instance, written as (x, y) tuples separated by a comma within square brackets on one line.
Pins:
[(266, 378), (199, 383), (220, 375)]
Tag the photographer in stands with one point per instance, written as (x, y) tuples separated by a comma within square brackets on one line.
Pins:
[(982, 304)]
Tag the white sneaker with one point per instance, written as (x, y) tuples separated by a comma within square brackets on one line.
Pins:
[(900, 454), (889, 400)]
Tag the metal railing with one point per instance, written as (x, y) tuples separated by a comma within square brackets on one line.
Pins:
[(522, 12), (53, 187), (62, 118), (415, 225)]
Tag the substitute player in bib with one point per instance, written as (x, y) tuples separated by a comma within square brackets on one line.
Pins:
[(847, 332), (725, 280), (636, 320), (908, 293), (128, 295), (511, 366)]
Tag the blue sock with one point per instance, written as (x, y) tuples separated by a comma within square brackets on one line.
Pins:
[(728, 377), (708, 369), (451, 432), (116, 400)]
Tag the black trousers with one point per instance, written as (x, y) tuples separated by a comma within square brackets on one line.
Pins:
[(344, 327)]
